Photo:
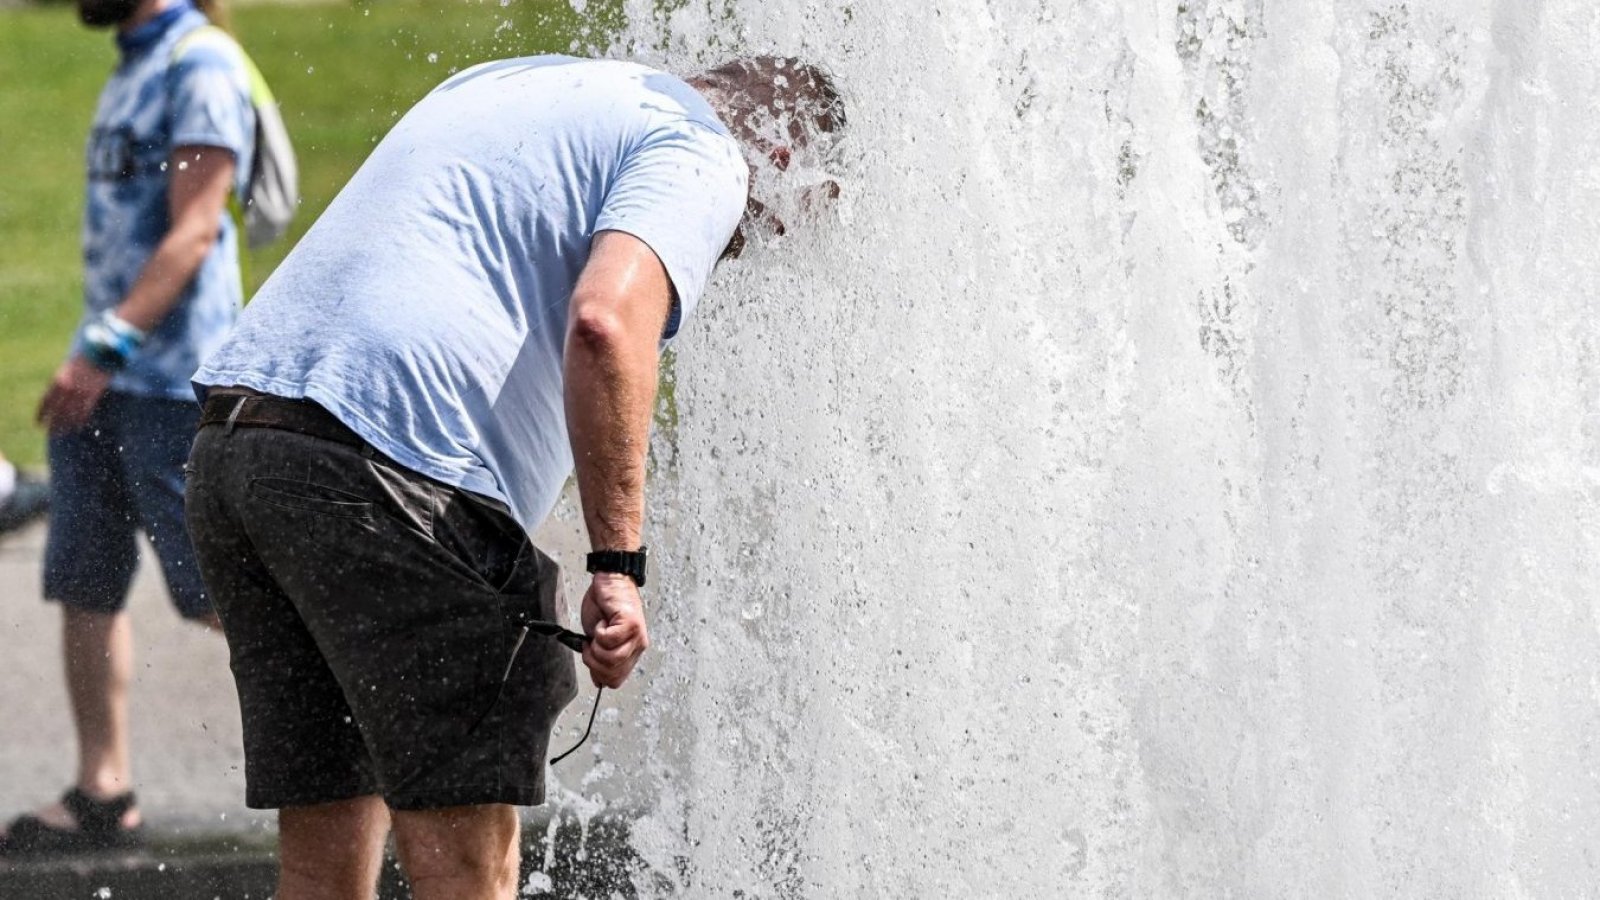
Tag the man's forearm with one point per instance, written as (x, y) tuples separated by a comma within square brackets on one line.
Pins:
[(164, 276), (613, 347), (196, 199), (610, 394)]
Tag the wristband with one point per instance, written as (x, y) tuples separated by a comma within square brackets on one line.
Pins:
[(109, 343)]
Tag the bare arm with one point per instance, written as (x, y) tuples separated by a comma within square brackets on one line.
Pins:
[(613, 333), (614, 330), (196, 193), (201, 178)]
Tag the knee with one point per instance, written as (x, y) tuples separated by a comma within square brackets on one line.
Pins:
[(312, 874), (467, 845), (427, 863), (308, 876), (335, 844)]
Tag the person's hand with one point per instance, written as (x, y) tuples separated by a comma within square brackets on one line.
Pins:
[(613, 618), (73, 394)]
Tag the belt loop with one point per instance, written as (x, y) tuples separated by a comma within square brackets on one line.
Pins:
[(234, 416)]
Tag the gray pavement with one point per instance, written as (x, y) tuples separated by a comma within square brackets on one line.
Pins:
[(185, 722)]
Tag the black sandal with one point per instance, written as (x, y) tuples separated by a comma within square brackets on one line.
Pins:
[(99, 828)]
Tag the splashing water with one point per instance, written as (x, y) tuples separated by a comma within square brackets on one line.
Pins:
[(1172, 472)]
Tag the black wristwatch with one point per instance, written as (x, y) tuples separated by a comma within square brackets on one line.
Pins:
[(622, 562)]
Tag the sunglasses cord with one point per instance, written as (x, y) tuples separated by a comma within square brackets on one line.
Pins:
[(587, 728)]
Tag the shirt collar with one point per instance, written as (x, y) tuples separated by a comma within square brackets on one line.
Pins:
[(147, 35)]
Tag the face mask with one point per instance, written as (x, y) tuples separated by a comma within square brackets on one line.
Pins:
[(105, 13)]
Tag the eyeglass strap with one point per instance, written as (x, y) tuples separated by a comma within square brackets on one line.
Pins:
[(587, 728)]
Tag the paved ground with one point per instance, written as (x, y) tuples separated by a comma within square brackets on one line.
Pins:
[(186, 754), (563, 858)]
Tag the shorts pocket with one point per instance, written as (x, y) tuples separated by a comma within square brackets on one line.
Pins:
[(528, 594), (310, 497)]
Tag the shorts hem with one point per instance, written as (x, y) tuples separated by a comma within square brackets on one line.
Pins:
[(184, 612), (288, 799), (197, 614), (93, 606), (465, 796)]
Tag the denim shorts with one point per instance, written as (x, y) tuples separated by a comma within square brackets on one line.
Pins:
[(372, 617), (120, 474)]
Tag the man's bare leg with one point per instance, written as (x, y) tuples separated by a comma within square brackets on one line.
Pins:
[(462, 851), (98, 651), (331, 851), (97, 655)]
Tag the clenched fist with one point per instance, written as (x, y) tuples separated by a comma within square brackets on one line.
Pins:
[(613, 618)]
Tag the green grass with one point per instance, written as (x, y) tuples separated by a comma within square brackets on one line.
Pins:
[(343, 73)]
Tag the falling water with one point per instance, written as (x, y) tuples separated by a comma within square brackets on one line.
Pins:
[(1172, 470)]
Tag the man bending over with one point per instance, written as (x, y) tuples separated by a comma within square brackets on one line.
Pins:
[(481, 308)]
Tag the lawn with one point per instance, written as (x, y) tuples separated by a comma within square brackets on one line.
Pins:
[(342, 72)]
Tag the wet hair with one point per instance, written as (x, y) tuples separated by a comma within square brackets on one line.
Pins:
[(800, 96)]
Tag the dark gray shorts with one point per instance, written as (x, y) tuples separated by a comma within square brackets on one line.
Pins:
[(373, 616)]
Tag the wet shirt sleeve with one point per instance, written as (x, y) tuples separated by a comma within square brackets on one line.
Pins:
[(681, 191)]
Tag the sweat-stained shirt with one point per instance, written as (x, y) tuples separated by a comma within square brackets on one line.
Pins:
[(427, 307), (154, 103)]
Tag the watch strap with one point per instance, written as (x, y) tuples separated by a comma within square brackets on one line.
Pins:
[(622, 562)]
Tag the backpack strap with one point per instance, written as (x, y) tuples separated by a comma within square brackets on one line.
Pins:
[(260, 93), (209, 34), (263, 208)]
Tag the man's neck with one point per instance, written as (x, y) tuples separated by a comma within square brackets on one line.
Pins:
[(146, 11)]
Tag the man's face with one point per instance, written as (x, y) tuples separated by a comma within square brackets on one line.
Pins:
[(756, 213), (781, 113), (105, 13), (770, 161)]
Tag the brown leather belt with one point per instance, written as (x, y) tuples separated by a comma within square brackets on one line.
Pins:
[(266, 411)]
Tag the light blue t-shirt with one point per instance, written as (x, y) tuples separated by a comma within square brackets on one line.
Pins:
[(152, 104), (427, 307)]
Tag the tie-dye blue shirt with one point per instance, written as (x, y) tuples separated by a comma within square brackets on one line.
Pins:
[(153, 104)]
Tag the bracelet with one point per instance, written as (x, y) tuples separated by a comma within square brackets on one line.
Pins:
[(109, 343)]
